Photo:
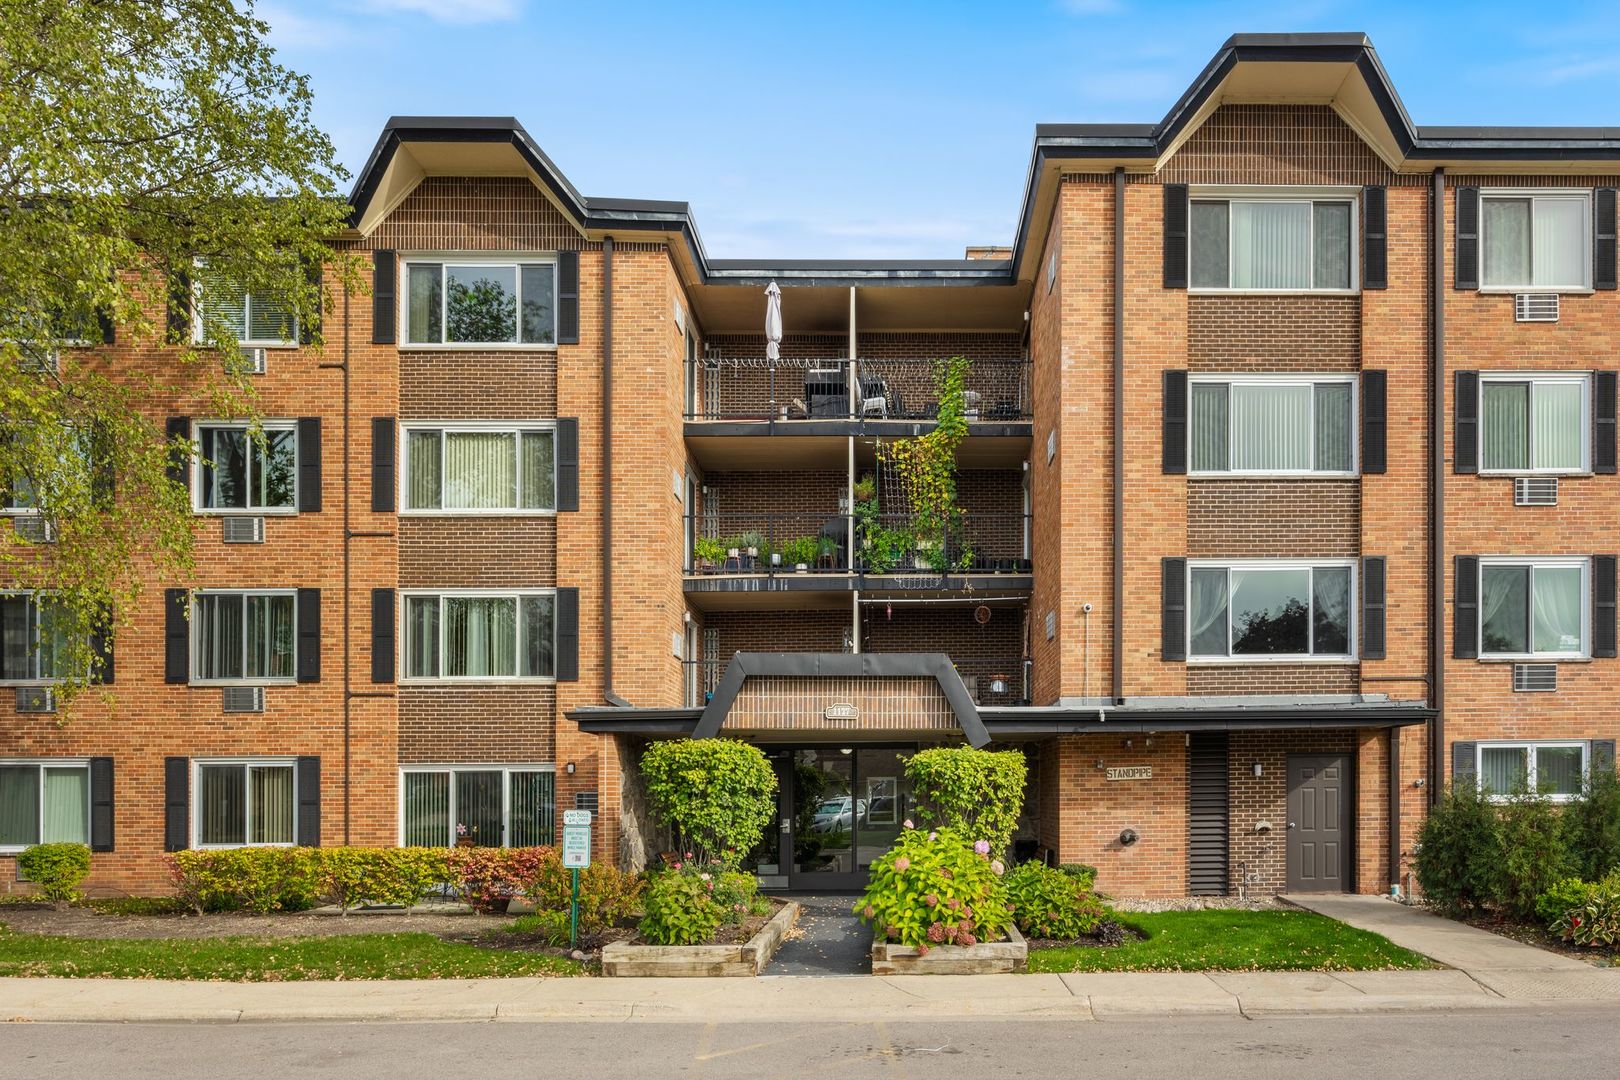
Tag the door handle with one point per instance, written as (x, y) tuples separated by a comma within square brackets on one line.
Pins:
[(1290, 824), (786, 824)]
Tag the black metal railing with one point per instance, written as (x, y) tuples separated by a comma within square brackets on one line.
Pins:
[(994, 681), (977, 543), (812, 389), (701, 678), (768, 543)]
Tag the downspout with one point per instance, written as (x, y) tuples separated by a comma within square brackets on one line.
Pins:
[(1394, 806), (1437, 489), (607, 477), (1119, 436)]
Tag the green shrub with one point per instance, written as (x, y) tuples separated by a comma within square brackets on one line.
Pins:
[(1562, 898), (608, 896), (1048, 903), (1592, 826), (718, 795), (489, 877), (978, 792), (55, 870), (680, 910), (1085, 875), (257, 879), (1596, 921), (1459, 854), (350, 876), (550, 927), (1534, 854), (933, 888)]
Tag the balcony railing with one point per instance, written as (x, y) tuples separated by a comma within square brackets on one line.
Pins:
[(776, 543), (981, 543), (807, 389), (990, 681)]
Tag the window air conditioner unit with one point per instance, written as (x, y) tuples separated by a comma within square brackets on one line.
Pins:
[(242, 530), (46, 362), (250, 361), (36, 699), (34, 529), (1535, 491), (1535, 678), (1535, 307), (240, 699)]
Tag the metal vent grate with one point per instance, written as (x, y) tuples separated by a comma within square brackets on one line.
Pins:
[(585, 800), (242, 530), (1535, 678), (1535, 307), (34, 529), (236, 699), (36, 699), (1535, 491), (247, 362)]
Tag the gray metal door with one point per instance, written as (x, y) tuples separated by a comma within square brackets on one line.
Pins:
[(1318, 833)]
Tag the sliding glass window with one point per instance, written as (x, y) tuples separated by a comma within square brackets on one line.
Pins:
[(1264, 425), (1534, 423), (487, 806), (1273, 244)]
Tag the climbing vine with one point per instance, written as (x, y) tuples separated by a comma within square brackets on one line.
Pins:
[(926, 466)]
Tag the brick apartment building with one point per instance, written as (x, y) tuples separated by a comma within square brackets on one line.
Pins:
[(1289, 490)]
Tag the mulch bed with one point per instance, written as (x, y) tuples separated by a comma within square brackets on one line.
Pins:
[(1531, 934), (1112, 937)]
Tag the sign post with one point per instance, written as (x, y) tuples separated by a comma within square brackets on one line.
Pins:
[(576, 856)]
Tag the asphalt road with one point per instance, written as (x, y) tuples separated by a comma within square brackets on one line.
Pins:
[(1514, 1043)]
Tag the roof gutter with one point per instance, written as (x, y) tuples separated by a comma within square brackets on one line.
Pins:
[(1437, 487), (607, 477)]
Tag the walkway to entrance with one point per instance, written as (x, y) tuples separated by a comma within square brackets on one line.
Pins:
[(830, 940)]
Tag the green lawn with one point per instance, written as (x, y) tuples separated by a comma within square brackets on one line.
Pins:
[(1217, 940), (247, 959)]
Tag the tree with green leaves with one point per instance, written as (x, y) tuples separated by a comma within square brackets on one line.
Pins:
[(137, 137)]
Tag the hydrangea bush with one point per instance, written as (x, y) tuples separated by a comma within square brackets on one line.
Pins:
[(936, 888), (1049, 903)]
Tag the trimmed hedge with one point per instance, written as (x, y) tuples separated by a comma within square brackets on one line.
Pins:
[(976, 792), (55, 870)]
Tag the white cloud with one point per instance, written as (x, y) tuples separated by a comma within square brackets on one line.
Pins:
[(463, 12), (292, 30)]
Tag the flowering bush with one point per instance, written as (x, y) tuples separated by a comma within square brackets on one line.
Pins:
[(680, 909), (934, 888), (55, 870), (1048, 903), (489, 877)]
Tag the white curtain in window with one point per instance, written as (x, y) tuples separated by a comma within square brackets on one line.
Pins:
[(539, 471), (1208, 610), (427, 809), (1556, 604), (480, 635), (1271, 245), (1271, 427), (423, 451), (67, 806), (1507, 424), (1504, 770), (1559, 241), (1507, 241), (19, 805), (1558, 770), (480, 470), (1333, 427), (1560, 435), (1210, 424), (272, 799), (422, 637)]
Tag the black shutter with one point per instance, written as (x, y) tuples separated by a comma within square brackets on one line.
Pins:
[(309, 635), (567, 635), (1373, 607), (178, 427), (179, 316), (568, 298), (383, 456), (384, 278), (103, 475), (309, 464), (1175, 422), (101, 804), (176, 803), (308, 327), (1602, 759), (176, 636), (1173, 625), (1374, 421), (382, 635), (1176, 213), (1375, 238), (1603, 605), (1465, 613), (109, 333), (1605, 273), (101, 645), (1463, 764), (1603, 422), (1208, 813), (1465, 410), (308, 779), (1467, 275), (567, 463)]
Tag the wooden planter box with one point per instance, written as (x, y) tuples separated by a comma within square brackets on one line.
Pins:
[(985, 958), (750, 958)]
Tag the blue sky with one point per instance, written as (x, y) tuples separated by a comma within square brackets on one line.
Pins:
[(880, 130)]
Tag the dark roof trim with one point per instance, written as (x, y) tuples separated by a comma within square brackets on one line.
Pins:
[(843, 665)]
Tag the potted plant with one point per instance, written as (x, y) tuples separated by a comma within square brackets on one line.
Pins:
[(800, 552), (709, 552), (865, 489), (750, 544), (827, 549)]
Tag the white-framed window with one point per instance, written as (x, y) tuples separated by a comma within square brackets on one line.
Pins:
[(65, 464), (1535, 239), (256, 319), (1538, 423), (1255, 610), (244, 802), (480, 468), (237, 470), (244, 636), (44, 801), (1554, 769), (1279, 240), (33, 644), (1534, 607), (1272, 425), (487, 805), (480, 301), (481, 635)]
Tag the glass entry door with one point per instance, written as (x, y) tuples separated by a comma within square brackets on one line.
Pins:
[(847, 805)]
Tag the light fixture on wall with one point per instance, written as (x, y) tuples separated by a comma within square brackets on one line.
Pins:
[(1257, 769), (569, 768)]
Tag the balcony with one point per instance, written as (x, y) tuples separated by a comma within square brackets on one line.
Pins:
[(990, 681), (768, 543), (980, 543), (805, 390)]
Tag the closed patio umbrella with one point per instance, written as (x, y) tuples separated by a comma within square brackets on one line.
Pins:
[(773, 322)]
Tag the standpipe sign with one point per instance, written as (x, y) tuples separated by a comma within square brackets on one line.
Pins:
[(1130, 772)]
